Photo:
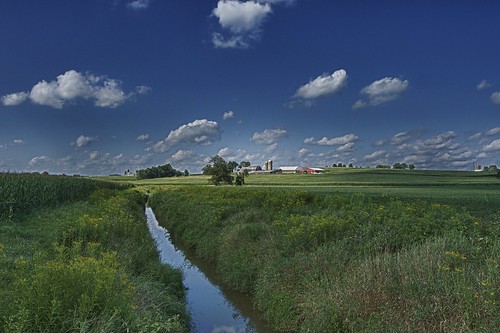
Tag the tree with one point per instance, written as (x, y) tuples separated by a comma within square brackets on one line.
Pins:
[(232, 165), (411, 167), (186, 172), (220, 171), (244, 164), (158, 172)]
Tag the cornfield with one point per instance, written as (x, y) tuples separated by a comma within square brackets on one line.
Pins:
[(21, 192)]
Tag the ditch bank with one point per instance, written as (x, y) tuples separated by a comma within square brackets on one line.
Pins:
[(213, 307)]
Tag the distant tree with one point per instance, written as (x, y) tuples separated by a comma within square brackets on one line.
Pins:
[(397, 166), (340, 165), (244, 164), (186, 172), (158, 172), (334, 165), (350, 165), (232, 165), (220, 171), (411, 167)]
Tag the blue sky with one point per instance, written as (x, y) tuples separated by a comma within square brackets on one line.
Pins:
[(100, 86)]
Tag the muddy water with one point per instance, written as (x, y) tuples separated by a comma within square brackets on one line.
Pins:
[(213, 308)]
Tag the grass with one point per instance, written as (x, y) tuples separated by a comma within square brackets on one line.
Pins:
[(333, 260), (86, 265)]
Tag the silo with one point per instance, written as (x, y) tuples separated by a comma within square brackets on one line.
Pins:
[(269, 165)]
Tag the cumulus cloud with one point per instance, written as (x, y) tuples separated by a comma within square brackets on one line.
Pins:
[(495, 97), (181, 155), (70, 86), (241, 17), (18, 141), (14, 98), (442, 151), (201, 131), (375, 155), (83, 141), (139, 4), (241, 21), (268, 136), (143, 137), (483, 85), (323, 85), (493, 131), (228, 115), (325, 141), (403, 137), (382, 91), (304, 153), (37, 160), (494, 145)]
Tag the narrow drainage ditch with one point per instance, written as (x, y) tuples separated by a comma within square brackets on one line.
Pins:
[(213, 308)]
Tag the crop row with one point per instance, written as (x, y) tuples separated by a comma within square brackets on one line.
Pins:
[(21, 192)]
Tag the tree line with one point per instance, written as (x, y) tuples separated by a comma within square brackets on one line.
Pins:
[(159, 172)]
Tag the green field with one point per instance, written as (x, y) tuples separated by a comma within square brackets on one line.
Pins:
[(76, 256), (351, 250)]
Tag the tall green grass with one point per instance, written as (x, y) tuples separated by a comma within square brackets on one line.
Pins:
[(320, 262), (87, 266), (22, 192)]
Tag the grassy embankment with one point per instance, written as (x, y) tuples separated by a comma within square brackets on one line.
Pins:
[(76, 255), (328, 259)]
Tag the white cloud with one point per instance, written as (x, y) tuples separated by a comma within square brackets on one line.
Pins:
[(198, 132), (143, 137), (18, 141), (375, 155), (181, 155), (483, 85), (341, 140), (234, 42), (382, 91), (268, 136), (476, 136), (272, 147), (73, 85), (494, 145), (228, 115), (495, 97), (241, 17), (403, 137), (304, 153), (38, 160), (15, 98), (83, 141), (242, 21), (223, 152), (109, 95), (493, 131), (346, 147), (139, 4), (323, 85)]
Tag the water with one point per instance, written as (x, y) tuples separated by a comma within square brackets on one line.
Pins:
[(213, 308)]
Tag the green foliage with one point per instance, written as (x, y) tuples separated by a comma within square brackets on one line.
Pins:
[(159, 172), (322, 262), (220, 171), (89, 266), (23, 192)]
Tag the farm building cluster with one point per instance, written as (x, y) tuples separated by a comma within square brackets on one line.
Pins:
[(268, 169)]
